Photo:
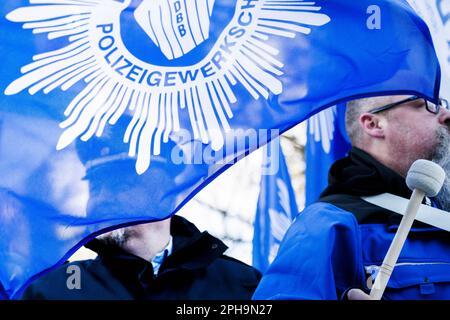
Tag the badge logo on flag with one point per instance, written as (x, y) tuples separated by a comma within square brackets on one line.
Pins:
[(176, 28), (118, 82)]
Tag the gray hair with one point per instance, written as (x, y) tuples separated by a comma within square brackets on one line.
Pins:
[(357, 107)]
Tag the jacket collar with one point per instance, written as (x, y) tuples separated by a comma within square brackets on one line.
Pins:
[(359, 174)]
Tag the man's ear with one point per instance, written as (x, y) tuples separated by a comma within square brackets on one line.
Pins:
[(372, 124)]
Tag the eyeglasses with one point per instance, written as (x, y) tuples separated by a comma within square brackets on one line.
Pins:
[(430, 106)]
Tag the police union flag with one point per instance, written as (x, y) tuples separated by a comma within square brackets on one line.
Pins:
[(115, 112), (327, 141), (276, 208)]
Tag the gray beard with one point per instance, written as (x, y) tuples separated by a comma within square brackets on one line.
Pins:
[(441, 156), (116, 237)]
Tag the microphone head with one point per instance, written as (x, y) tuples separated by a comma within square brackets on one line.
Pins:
[(426, 176)]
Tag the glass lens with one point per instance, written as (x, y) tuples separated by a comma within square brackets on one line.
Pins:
[(432, 107), (444, 104)]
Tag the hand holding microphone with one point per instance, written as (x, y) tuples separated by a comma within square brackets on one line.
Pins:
[(425, 178)]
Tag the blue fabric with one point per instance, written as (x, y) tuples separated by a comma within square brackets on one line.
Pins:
[(85, 86), (327, 141), (309, 257), (326, 252), (275, 211)]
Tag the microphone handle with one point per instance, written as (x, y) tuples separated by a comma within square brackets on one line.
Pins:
[(396, 246)]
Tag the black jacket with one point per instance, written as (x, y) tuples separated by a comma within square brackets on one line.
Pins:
[(357, 175), (196, 269)]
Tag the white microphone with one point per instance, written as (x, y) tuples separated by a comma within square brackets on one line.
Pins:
[(424, 178)]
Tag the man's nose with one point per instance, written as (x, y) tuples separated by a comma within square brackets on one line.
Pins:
[(444, 117)]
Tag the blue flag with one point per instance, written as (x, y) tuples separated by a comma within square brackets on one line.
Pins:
[(276, 208), (115, 112), (327, 141)]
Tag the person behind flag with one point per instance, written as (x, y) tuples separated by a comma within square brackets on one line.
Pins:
[(338, 243), (169, 259)]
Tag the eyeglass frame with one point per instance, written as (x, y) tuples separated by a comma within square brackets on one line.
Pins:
[(442, 103)]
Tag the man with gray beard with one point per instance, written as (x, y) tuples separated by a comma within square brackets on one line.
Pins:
[(334, 248)]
